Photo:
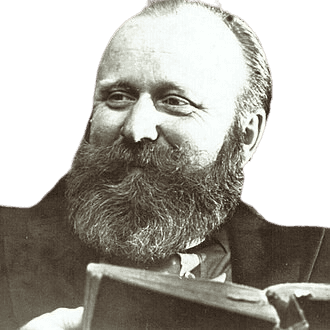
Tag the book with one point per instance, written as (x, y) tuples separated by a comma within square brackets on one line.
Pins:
[(127, 298)]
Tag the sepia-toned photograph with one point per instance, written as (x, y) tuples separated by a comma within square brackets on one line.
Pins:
[(164, 165)]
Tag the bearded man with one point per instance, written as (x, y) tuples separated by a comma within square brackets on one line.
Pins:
[(182, 95)]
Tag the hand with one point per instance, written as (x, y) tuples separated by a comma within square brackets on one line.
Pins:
[(59, 319)]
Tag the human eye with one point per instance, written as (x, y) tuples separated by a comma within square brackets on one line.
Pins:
[(176, 105), (119, 99)]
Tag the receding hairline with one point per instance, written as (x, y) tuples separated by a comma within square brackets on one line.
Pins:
[(163, 8)]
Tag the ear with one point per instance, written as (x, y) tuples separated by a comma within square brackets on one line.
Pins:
[(253, 127)]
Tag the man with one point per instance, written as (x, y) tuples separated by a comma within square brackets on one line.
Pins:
[(182, 95)]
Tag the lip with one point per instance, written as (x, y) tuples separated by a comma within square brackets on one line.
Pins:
[(135, 169)]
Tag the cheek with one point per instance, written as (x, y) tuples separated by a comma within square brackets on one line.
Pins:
[(105, 126), (206, 136)]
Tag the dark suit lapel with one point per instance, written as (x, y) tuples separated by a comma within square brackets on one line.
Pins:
[(264, 254)]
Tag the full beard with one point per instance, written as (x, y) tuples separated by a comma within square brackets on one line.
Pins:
[(145, 201)]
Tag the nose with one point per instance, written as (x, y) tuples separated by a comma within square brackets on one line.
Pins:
[(141, 121)]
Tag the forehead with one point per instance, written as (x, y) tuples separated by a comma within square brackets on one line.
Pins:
[(191, 41)]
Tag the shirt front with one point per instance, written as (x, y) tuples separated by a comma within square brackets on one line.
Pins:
[(208, 260)]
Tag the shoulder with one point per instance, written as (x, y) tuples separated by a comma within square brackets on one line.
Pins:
[(247, 218), (15, 219), (22, 226), (248, 224), (45, 262), (265, 253)]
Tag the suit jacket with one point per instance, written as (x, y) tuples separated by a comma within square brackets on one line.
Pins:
[(42, 265)]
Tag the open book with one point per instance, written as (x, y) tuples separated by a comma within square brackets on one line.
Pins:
[(127, 298)]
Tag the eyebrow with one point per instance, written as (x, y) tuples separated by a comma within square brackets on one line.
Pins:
[(160, 87), (164, 86), (106, 85)]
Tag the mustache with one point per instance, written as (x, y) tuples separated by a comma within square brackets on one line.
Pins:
[(123, 155)]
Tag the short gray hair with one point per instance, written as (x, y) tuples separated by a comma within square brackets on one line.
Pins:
[(258, 93)]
